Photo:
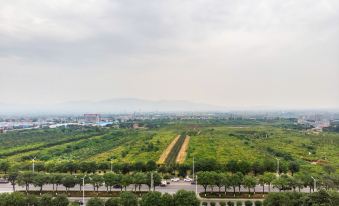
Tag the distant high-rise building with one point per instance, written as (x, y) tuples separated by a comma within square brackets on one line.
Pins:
[(91, 118)]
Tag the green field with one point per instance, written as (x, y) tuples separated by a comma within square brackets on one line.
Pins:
[(221, 140)]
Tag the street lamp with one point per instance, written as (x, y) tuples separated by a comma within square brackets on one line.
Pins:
[(83, 190), (33, 159), (152, 182), (112, 165), (314, 184), (277, 166), (196, 185), (193, 169)]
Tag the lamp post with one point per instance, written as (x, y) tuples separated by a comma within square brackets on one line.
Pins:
[(33, 160), (83, 190), (196, 185), (152, 182), (193, 169), (277, 166), (314, 184)]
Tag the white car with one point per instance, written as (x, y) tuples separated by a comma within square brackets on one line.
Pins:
[(175, 179), (187, 179), (163, 183)]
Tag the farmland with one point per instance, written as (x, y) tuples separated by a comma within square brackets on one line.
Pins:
[(173, 141)]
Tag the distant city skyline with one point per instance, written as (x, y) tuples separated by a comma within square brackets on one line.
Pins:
[(244, 54)]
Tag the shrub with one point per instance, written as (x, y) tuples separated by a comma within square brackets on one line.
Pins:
[(61, 200), (222, 203), (112, 202), (239, 203), (204, 204), (95, 202), (212, 203), (229, 203), (258, 203), (248, 203)]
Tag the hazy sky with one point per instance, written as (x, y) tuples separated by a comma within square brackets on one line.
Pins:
[(233, 53)]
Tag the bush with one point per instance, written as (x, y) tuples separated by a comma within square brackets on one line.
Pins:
[(204, 204), (61, 200), (229, 203), (112, 202), (212, 204), (94, 201), (248, 203), (222, 203), (239, 203), (128, 199), (258, 203)]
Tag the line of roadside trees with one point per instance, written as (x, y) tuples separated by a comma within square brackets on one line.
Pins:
[(208, 180), (109, 180), (257, 167), (224, 181)]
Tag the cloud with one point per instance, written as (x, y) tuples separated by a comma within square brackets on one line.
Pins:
[(221, 51)]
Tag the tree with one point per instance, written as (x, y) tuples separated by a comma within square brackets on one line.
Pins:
[(293, 167), (225, 178), (269, 177), (32, 200), (128, 199), (257, 168), (185, 198), (126, 181), (151, 199), (167, 200), (61, 200), (39, 180), (151, 165), (97, 181), (113, 202), (329, 169), (280, 183), (95, 201), (68, 181), (139, 178), (12, 178), (25, 178), (204, 179), (4, 166), (249, 182), (109, 179)]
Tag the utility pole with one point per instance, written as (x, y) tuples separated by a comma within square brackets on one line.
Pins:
[(111, 165)]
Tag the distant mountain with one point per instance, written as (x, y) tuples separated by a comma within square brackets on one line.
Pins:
[(122, 105)]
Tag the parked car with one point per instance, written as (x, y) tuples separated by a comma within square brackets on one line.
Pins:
[(163, 183), (175, 179), (187, 179)]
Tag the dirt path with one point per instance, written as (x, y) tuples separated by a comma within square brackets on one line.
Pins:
[(169, 148), (183, 150)]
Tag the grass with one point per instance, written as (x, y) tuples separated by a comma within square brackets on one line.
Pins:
[(221, 140)]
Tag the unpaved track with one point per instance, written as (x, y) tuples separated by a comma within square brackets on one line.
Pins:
[(183, 150), (169, 148)]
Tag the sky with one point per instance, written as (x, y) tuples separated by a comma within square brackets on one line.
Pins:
[(244, 53)]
